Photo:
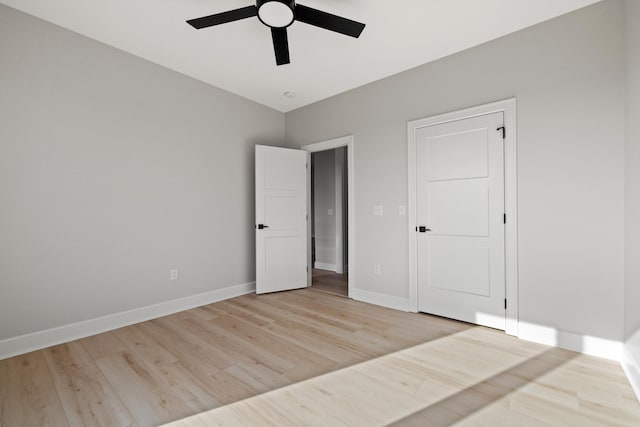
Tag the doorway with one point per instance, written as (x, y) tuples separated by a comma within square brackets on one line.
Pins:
[(331, 225), (283, 228), (329, 221)]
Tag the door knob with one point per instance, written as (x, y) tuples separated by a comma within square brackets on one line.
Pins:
[(262, 226), (422, 229)]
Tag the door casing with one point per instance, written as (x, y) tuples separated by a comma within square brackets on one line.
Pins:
[(508, 107), (345, 141)]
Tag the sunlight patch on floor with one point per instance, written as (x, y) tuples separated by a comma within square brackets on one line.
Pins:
[(383, 390)]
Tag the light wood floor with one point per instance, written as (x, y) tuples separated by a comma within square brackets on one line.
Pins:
[(310, 358), (330, 281)]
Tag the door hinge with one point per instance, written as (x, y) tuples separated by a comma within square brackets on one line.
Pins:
[(504, 218), (504, 131), (306, 165), (505, 303)]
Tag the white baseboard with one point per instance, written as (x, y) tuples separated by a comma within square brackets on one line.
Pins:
[(632, 370), (43, 339), (383, 300), (324, 266), (631, 362), (594, 346)]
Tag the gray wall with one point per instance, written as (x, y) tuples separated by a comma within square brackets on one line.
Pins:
[(324, 199), (114, 170), (632, 178), (568, 77)]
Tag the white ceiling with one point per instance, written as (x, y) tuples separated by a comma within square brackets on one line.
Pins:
[(238, 56)]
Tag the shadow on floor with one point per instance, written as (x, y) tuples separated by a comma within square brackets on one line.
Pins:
[(463, 404)]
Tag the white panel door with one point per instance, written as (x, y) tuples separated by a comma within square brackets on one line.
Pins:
[(281, 219), (460, 202)]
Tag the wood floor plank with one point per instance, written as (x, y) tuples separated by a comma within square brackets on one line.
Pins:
[(498, 414), (103, 345), (146, 397), (27, 394), (313, 303), (139, 340), (314, 340), (259, 336), (281, 310), (344, 338), (195, 346), (341, 415), (330, 281), (229, 309), (187, 384), (258, 376), (228, 389), (86, 396), (252, 343), (197, 392)]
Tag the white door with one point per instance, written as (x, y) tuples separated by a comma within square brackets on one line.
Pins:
[(460, 213), (281, 219)]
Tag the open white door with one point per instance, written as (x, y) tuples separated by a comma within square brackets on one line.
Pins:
[(281, 219)]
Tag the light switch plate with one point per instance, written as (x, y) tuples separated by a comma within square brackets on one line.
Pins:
[(402, 210), (330, 212)]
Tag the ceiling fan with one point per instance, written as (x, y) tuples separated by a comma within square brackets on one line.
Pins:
[(278, 15)]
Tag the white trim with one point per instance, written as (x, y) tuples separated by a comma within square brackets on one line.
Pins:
[(630, 363), (632, 370), (324, 266), (383, 300), (339, 167), (329, 144), (593, 346), (43, 339), (508, 107), (345, 141)]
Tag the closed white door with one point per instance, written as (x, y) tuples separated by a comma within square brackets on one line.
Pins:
[(281, 219), (460, 213)]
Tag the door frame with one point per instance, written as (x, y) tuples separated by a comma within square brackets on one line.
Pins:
[(508, 108), (344, 141)]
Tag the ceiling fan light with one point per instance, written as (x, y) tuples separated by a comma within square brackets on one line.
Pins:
[(276, 13)]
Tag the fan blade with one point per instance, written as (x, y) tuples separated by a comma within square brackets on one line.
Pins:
[(280, 45), (224, 17), (328, 21)]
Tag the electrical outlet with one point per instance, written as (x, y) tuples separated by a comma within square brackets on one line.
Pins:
[(173, 274), (376, 269), (378, 210), (330, 212)]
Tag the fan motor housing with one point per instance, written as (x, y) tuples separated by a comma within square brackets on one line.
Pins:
[(276, 13)]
